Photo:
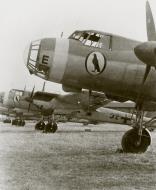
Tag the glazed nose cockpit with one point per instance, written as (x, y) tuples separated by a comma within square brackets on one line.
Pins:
[(38, 57), (32, 60), (47, 58)]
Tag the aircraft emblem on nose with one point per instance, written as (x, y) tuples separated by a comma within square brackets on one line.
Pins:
[(95, 63)]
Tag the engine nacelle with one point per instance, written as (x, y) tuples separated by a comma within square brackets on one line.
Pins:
[(71, 89), (116, 98)]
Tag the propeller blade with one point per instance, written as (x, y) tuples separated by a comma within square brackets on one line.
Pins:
[(29, 107), (151, 35), (31, 98), (148, 68), (43, 88), (32, 93)]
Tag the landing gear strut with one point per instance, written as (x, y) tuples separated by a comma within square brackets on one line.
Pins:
[(138, 139)]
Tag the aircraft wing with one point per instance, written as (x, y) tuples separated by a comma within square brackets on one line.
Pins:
[(19, 112), (84, 100)]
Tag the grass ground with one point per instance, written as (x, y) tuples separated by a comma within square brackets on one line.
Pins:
[(72, 159)]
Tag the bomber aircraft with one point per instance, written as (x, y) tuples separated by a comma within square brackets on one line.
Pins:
[(53, 107), (122, 68), (13, 104)]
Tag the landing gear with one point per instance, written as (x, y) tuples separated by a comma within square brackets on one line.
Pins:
[(50, 127), (132, 142), (40, 125), (7, 121), (138, 139), (18, 122)]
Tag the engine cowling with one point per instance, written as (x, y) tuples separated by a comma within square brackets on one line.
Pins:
[(67, 88)]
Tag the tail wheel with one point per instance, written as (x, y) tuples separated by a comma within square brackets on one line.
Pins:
[(130, 141)]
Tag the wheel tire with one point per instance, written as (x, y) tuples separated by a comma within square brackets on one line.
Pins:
[(40, 125), (14, 122), (50, 128), (7, 121), (54, 128), (23, 123), (47, 128), (130, 139), (19, 122)]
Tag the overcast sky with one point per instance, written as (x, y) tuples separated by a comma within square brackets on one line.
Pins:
[(22, 21)]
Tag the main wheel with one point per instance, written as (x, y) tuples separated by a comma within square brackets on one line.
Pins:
[(40, 125), (7, 121), (23, 123), (54, 127), (50, 128), (20, 122), (131, 138), (14, 121)]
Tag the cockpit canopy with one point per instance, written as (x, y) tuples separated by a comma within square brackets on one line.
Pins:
[(92, 38), (16, 92)]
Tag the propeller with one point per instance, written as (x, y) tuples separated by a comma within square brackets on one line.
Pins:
[(30, 98), (43, 88), (146, 52)]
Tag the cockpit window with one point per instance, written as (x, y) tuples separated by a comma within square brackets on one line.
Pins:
[(93, 39), (76, 35), (17, 92)]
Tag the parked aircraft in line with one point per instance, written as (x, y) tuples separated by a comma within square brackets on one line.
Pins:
[(122, 68), (75, 107), (13, 104), (53, 107)]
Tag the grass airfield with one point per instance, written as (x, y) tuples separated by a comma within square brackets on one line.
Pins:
[(72, 159)]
